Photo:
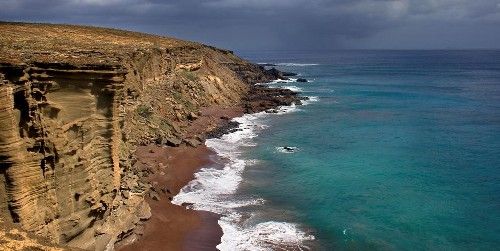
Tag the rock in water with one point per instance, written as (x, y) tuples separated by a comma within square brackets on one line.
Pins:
[(289, 74), (287, 149), (276, 74)]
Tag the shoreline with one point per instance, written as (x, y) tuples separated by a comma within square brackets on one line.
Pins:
[(206, 193), (175, 227), (170, 225), (103, 136)]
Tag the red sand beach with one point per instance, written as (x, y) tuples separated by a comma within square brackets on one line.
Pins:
[(173, 227)]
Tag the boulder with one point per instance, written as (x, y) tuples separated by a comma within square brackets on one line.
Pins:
[(187, 204), (289, 74), (126, 194), (166, 190), (192, 116), (144, 211), (272, 111), (171, 141), (302, 80), (192, 142), (276, 74), (154, 195)]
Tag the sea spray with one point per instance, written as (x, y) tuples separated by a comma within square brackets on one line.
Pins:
[(213, 189)]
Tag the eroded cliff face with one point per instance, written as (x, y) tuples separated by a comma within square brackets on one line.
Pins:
[(74, 104)]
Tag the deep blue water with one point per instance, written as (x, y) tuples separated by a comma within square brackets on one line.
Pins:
[(401, 152)]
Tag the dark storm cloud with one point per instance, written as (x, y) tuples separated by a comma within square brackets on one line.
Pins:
[(286, 24)]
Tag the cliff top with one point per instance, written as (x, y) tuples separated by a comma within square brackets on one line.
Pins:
[(73, 44)]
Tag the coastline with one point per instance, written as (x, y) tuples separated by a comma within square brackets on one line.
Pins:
[(137, 101), (171, 226), (82, 113), (215, 187), (175, 227), (215, 190)]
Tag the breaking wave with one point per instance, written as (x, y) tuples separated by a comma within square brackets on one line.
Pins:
[(213, 189)]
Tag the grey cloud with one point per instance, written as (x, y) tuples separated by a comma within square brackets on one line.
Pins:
[(282, 24)]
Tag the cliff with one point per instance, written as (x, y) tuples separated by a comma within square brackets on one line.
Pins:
[(76, 101)]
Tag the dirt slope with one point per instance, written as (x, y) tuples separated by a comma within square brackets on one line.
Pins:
[(76, 101)]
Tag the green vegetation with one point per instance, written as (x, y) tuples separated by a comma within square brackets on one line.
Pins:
[(177, 95), (165, 125), (190, 75), (144, 111)]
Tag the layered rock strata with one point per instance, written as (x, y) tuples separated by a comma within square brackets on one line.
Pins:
[(75, 102)]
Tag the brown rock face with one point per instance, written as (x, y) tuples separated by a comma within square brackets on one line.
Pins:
[(75, 102)]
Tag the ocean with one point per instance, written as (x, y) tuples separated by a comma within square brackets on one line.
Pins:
[(395, 150)]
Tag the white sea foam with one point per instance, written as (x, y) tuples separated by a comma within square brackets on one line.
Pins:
[(287, 81), (213, 190), (311, 99), (287, 149), (275, 84), (270, 235), (295, 64), (292, 88), (287, 109), (283, 81), (211, 187)]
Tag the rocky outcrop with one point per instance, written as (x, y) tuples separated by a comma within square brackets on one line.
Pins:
[(276, 74), (61, 153), (261, 98), (75, 102), (12, 237), (289, 74)]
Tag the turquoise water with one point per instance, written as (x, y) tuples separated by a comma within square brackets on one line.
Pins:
[(400, 152)]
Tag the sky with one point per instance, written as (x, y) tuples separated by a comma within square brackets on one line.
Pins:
[(284, 24)]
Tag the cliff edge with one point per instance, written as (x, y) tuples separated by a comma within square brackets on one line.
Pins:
[(76, 101)]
